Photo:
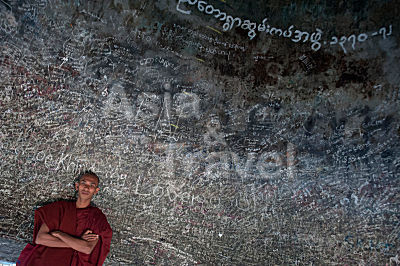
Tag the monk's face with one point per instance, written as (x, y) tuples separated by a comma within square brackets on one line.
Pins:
[(87, 187)]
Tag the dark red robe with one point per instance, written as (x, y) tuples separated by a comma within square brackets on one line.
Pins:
[(64, 216)]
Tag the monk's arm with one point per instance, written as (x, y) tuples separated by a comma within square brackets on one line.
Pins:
[(76, 243), (46, 239)]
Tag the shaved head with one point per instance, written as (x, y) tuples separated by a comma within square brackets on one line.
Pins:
[(88, 173)]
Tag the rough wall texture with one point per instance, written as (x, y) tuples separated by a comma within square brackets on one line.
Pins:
[(224, 132)]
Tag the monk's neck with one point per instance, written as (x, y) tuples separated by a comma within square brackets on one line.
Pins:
[(80, 204)]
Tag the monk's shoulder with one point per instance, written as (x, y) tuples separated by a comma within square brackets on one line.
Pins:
[(61, 204), (58, 203), (100, 218), (51, 205), (98, 213)]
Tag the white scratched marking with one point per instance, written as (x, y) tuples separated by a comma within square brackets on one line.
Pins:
[(6, 263), (395, 259), (188, 256)]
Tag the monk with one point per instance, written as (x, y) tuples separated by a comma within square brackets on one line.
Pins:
[(70, 233)]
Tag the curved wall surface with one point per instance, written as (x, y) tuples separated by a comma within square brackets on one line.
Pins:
[(224, 132)]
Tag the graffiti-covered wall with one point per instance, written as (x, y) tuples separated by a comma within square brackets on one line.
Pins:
[(224, 132)]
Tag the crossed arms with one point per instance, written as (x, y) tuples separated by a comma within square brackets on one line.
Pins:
[(59, 239)]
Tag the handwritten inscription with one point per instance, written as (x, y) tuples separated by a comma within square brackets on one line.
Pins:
[(295, 35), (211, 148)]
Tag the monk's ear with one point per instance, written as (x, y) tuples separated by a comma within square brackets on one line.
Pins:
[(76, 185), (97, 190)]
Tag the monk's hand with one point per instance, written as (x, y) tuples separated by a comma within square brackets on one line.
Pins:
[(89, 236)]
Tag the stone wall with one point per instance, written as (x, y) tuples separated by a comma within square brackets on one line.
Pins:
[(224, 132)]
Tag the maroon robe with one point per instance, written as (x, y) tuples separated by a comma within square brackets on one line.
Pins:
[(64, 216)]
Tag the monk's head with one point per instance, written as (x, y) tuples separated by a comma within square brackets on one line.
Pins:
[(87, 185)]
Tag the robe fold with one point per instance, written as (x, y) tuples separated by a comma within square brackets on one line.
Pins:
[(64, 216)]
